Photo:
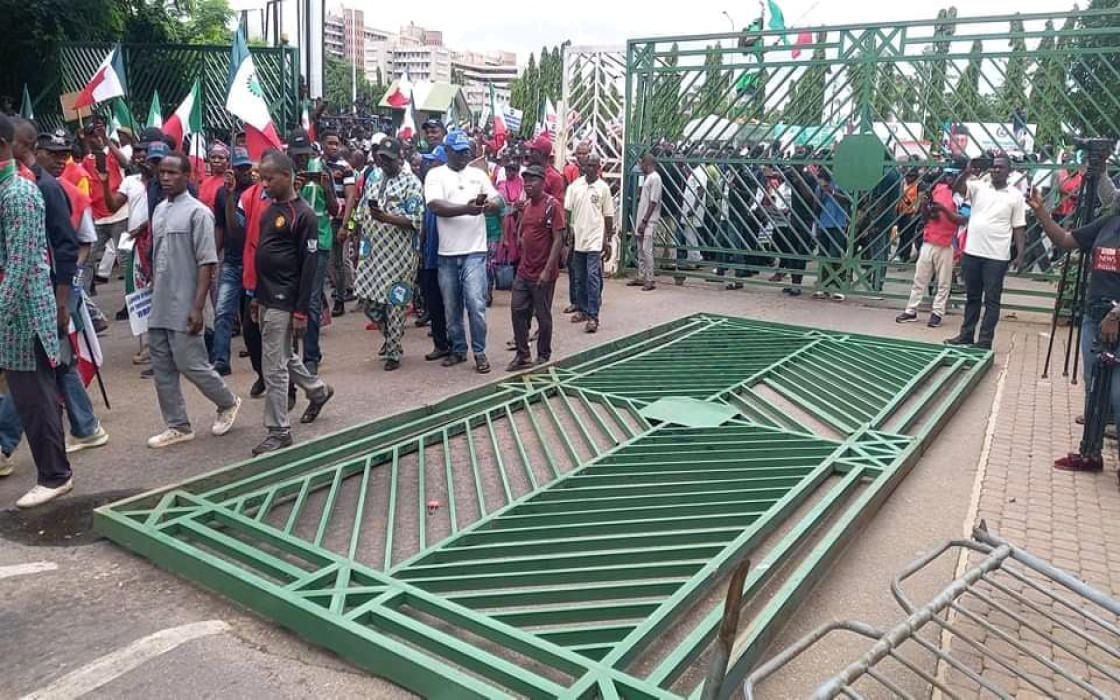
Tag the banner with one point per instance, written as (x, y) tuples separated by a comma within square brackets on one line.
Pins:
[(973, 139), (139, 305), (512, 118)]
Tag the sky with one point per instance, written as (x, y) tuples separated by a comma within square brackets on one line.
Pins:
[(525, 27)]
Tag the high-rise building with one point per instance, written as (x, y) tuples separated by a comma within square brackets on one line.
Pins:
[(478, 70)]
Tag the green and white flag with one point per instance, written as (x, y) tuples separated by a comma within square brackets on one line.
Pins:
[(155, 112)]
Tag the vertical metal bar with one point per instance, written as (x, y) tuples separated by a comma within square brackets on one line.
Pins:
[(498, 458), (391, 519), (422, 525), (450, 483), (359, 511)]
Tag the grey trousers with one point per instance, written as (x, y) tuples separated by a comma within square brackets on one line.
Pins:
[(176, 353), (645, 253), (279, 364)]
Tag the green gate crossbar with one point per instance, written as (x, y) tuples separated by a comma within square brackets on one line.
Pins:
[(544, 535)]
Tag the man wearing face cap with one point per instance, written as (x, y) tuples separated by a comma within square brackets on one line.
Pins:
[(392, 209)]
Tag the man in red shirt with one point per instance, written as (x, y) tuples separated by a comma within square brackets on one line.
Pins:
[(540, 153), (935, 259), (216, 180), (109, 224), (542, 235)]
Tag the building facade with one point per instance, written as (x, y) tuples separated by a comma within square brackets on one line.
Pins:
[(478, 70)]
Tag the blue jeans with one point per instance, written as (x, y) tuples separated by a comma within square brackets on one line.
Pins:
[(462, 283), (587, 271), (312, 353), (1089, 332), (225, 311), (79, 410)]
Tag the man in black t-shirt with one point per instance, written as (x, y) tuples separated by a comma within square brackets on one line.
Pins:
[(285, 260), (1100, 327), (229, 238)]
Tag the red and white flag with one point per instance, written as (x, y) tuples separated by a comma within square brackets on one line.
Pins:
[(402, 93), (499, 121), (246, 101), (84, 343), (408, 123), (108, 81), (305, 122), (187, 119)]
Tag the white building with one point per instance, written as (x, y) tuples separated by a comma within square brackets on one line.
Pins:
[(478, 70)]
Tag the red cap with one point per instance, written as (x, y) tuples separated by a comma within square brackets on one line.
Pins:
[(543, 144)]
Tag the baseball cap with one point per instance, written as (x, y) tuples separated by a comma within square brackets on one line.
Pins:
[(457, 141), (533, 171), (541, 144), (57, 140), (152, 134), (298, 143), (240, 157), (158, 150), (438, 155), (390, 147), (432, 122)]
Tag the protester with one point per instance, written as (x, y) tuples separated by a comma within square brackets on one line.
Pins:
[(998, 216), (251, 208), (218, 158), (183, 255), (573, 170), (429, 268), (29, 335), (935, 257), (590, 209), (315, 186), (285, 263), (459, 196), (395, 202), (908, 209), (541, 233), (229, 241), (434, 133), (649, 218), (133, 194), (110, 225), (341, 271)]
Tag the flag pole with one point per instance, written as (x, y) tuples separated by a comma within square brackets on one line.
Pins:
[(96, 367)]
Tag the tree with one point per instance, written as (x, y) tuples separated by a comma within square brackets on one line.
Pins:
[(1049, 95), (338, 77), (668, 120), (938, 110), (524, 92), (1093, 78), (1013, 92), (806, 101), (713, 95), (966, 101)]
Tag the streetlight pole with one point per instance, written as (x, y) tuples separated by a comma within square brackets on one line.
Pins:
[(729, 19)]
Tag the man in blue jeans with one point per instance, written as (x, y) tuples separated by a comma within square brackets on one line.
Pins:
[(459, 196), (590, 207), (229, 237)]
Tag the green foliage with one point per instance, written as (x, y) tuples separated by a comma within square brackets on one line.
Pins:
[(1049, 93), (539, 81), (668, 120), (1013, 92), (338, 77), (806, 102), (1094, 79), (716, 90), (938, 109)]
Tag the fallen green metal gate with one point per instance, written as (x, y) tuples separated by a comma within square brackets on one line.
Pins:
[(747, 125), (556, 535)]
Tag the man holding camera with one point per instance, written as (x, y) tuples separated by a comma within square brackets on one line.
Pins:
[(1100, 327), (998, 217)]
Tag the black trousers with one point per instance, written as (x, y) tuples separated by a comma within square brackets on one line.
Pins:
[(983, 281), (35, 394), (787, 241), (528, 300), (251, 332), (433, 300)]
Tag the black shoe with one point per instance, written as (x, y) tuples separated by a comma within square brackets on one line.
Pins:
[(959, 341), (795, 292), (272, 443), (423, 320), (338, 309), (316, 406), (543, 360), (100, 279), (122, 315), (223, 370), (147, 373), (481, 364), (436, 355), (983, 345), (258, 389), (453, 359), (291, 399), (392, 365), (519, 364), (934, 321), (100, 326), (349, 295), (511, 345), (243, 354), (906, 317)]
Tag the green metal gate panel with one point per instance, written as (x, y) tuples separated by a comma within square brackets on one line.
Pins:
[(556, 534), (172, 69), (743, 130)]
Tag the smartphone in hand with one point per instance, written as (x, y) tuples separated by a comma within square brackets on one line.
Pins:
[(480, 199), (99, 160)]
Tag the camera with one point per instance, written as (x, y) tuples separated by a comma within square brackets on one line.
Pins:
[(1095, 147)]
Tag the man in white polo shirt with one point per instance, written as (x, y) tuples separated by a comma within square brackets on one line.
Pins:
[(999, 216), (590, 209)]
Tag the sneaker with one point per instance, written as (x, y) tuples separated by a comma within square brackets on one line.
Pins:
[(519, 364), (338, 309), (76, 444), (648, 287), (122, 315), (223, 370), (6, 465), (934, 321), (543, 361), (142, 357), (836, 296), (272, 443), (635, 283), (579, 317), (481, 364), (100, 326), (225, 418), (41, 495), (312, 368), (453, 359), (592, 326), (258, 389), (100, 279), (818, 295), (169, 437), (423, 319), (777, 277), (316, 407), (436, 355), (795, 292), (392, 365), (959, 342), (1077, 463), (906, 317), (147, 373), (570, 309)]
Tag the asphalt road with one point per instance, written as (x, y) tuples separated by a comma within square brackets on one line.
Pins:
[(99, 600)]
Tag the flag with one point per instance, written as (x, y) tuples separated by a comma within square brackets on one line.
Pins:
[(499, 120), (401, 94), (108, 81), (155, 112), (84, 343), (551, 118), (305, 122), (195, 148), (26, 109), (187, 119), (120, 116), (803, 39), (777, 19), (246, 100)]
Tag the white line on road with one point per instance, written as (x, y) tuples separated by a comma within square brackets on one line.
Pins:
[(35, 567), (114, 665)]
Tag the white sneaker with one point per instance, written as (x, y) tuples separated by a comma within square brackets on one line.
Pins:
[(77, 444), (225, 419), (41, 495), (6, 465), (169, 437)]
